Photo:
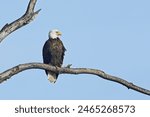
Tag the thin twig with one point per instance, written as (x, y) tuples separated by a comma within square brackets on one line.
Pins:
[(19, 68)]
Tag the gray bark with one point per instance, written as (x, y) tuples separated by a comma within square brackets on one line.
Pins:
[(22, 21)]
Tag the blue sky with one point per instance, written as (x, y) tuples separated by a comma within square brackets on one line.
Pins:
[(111, 35)]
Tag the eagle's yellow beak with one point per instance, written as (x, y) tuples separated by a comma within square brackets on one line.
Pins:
[(58, 33)]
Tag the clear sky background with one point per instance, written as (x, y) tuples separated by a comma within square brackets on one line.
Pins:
[(111, 35)]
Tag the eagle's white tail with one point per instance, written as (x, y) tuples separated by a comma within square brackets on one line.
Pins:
[(52, 78)]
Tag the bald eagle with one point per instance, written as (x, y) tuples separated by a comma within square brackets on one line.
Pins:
[(53, 53)]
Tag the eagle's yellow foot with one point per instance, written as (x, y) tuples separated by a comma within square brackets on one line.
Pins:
[(56, 67)]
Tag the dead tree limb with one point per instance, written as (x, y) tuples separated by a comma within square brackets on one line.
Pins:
[(19, 68), (22, 21)]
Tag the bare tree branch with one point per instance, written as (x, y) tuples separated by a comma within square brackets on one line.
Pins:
[(22, 21), (19, 68)]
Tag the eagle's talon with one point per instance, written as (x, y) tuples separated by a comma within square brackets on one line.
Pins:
[(56, 67)]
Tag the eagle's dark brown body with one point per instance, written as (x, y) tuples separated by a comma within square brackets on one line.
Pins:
[(53, 54)]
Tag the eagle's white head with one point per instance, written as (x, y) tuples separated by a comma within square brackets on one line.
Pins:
[(53, 34)]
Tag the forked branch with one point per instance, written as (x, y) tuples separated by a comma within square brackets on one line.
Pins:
[(22, 21), (19, 68)]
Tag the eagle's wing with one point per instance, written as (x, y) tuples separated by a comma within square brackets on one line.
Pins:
[(47, 53), (63, 51)]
